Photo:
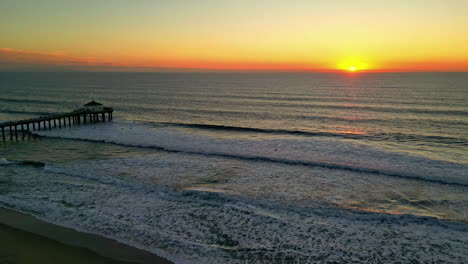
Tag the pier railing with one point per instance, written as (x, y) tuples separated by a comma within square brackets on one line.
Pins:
[(78, 117)]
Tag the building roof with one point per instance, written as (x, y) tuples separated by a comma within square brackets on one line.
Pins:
[(93, 103)]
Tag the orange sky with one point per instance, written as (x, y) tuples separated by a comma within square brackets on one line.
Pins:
[(417, 35)]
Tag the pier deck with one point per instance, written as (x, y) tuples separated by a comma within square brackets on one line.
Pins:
[(82, 116)]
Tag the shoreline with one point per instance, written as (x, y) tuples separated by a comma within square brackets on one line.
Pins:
[(57, 244)]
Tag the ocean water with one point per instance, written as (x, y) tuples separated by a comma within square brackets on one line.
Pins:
[(250, 167)]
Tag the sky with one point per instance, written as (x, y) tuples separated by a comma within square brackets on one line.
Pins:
[(293, 35)]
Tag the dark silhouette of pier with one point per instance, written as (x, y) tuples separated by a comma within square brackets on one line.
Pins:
[(91, 113)]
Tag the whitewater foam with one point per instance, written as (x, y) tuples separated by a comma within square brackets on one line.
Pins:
[(199, 227), (4, 161), (276, 182), (323, 152)]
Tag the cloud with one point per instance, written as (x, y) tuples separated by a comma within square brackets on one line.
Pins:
[(14, 58), (23, 60)]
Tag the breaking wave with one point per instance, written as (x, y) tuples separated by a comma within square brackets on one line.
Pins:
[(315, 152), (373, 137)]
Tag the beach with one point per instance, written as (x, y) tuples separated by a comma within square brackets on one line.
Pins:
[(25, 239)]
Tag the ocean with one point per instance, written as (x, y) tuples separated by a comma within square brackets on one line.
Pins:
[(250, 167)]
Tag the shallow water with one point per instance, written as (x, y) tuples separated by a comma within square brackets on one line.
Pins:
[(264, 168)]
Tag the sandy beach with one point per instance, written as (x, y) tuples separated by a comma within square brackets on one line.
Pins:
[(27, 240)]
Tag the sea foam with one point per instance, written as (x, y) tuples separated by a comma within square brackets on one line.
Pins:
[(324, 152), (204, 227)]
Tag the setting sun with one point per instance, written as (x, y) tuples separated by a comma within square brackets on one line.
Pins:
[(353, 64)]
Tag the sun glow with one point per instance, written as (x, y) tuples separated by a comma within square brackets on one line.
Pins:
[(352, 65), (371, 36)]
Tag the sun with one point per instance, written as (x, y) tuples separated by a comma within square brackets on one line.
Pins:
[(353, 65)]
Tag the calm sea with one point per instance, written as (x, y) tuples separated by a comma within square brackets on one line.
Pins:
[(250, 167)]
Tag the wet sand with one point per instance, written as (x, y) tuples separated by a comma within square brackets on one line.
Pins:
[(27, 240)]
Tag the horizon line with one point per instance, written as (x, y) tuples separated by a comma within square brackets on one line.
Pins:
[(185, 70)]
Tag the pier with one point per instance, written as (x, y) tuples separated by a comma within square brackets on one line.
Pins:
[(91, 113)]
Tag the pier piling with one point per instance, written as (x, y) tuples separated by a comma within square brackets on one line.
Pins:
[(74, 118)]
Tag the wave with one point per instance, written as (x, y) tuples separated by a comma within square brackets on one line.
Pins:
[(373, 137), (201, 227), (8, 111), (335, 155), (310, 184), (273, 98), (266, 110), (307, 101), (343, 106), (5, 162), (332, 166), (30, 101)]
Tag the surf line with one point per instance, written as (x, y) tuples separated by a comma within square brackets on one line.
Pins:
[(88, 113)]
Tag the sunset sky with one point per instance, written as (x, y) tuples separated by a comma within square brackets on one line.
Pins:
[(328, 35)]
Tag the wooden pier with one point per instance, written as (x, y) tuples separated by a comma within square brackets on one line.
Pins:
[(78, 117)]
